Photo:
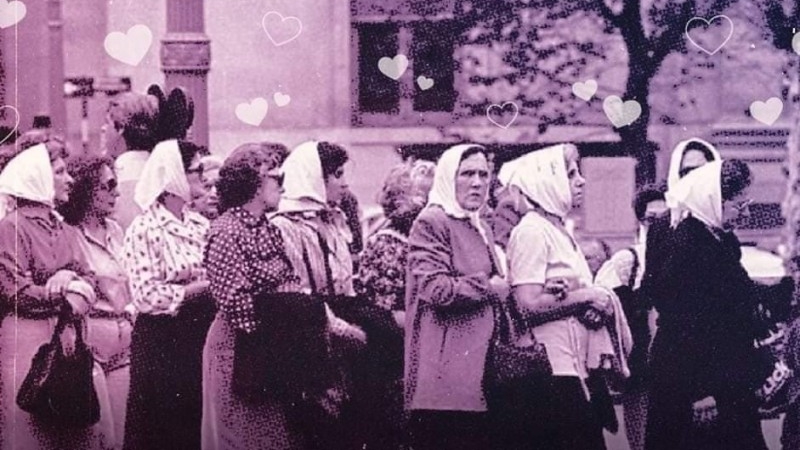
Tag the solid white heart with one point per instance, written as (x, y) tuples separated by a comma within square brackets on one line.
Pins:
[(585, 89), (11, 13), (621, 113), (281, 30), (796, 43), (500, 110), (129, 47), (424, 82), (252, 113), (393, 68), (281, 99), (767, 112), (705, 31), (16, 123)]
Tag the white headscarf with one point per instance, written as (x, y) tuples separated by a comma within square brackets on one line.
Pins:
[(443, 190), (163, 172), (698, 193), (542, 177), (304, 185), (28, 175), (673, 175)]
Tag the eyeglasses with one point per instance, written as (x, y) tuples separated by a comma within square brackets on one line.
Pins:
[(743, 205), (277, 176), (108, 186)]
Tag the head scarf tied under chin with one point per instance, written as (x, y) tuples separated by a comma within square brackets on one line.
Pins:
[(163, 172), (698, 193), (28, 175), (542, 177), (673, 175), (304, 185), (443, 190)]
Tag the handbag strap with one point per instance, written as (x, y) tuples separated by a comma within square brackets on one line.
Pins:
[(65, 318)]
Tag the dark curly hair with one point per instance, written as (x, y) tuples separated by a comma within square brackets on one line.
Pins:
[(85, 170), (648, 193), (332, 157), (190, 150), (735, 178), (240, 175)]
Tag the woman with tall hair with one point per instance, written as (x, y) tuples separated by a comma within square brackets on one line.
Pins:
[(453, 277), (43, 278), (110, 320), (704, 369)]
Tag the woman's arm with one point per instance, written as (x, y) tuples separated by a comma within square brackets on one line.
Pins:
[(430, 262), (540, 306)]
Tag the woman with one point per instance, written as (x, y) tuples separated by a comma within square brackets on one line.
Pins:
[(163, 256), (542, 253), (129, 135), (382, 279), (40, 279), (452, 279), (317, 243), (205, 201), (687, 156), (245, 257), (704, 369), (110, 320)]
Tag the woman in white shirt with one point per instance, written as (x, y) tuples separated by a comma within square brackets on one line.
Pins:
[(542, 255)]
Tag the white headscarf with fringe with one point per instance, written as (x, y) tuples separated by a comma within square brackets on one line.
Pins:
[(673, 174), (541, 176), (28, 175), (163, 172), (304, 184)]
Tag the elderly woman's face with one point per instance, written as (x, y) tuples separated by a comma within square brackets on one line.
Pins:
[(62, 181), (105, 193), (576, 180), (207, 201), (472, 182)]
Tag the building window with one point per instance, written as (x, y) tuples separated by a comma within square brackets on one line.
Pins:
[(377, 93), (432, 53)]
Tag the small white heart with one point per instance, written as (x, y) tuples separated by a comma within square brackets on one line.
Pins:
[(767, 112), (252, 113), (500, 110), (129, 47), (621, 113), (585, 90), (424, 82), (393, 68), (281, 30), (796, 43), (281, 99), (11, 13)]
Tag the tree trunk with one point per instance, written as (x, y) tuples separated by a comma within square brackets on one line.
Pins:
[(634, 136)]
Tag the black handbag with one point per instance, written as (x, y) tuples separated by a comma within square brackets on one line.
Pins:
[(510, 367), (58, 388)]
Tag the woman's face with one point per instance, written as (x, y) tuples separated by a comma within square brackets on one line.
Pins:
[(736, 209), (207, 202), (111, 142), (472, 182), (692, 159), (576, 180), (271, 187), (62, 181), (104, 196), (335, 186)]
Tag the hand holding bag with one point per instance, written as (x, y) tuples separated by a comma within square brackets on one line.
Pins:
[(58, 388), (508, 365)]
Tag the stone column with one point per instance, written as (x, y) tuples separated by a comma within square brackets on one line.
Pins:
[(186, 59), (55, 61)]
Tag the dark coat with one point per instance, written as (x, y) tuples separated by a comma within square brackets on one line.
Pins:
[(704, 344)]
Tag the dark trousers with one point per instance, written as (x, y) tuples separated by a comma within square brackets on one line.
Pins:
[(449, 430), (165, 402), (552, 414)]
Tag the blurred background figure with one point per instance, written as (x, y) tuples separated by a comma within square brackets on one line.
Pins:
[(596, 251)]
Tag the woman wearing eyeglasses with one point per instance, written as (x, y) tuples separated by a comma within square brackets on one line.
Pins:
[(110, 320), (704, 369)]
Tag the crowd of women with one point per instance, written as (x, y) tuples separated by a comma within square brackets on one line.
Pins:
[(168, 259)]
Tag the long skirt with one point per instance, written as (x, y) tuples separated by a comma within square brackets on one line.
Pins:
[(19, 341), (165, 400), (229, 423)]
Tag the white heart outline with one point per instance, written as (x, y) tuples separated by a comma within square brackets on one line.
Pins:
[(16, 124), (502, 107), (708, 22), (283, 19)]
